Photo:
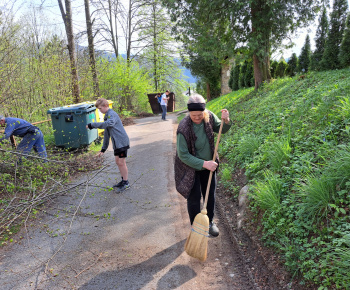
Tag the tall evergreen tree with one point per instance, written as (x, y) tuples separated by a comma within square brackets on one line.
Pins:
[(344, 55), (244, 68), (281, 68), (249, 75), (292, 65), (304, 58), (273, 68), (330, 58), (320, 40), (234, 77)]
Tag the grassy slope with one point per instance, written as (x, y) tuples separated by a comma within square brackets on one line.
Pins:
[(292, 137)]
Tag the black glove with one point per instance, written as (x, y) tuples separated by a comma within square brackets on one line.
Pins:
[(89, 126)]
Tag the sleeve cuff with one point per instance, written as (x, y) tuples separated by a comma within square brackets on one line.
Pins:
[(89, 126), (229, 123)]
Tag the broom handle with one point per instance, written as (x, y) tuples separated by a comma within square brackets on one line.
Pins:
[(211, 172)]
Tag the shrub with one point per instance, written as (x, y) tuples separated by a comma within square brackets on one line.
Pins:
[(247, 146), (281, 69), (317, 195), (278, 154), (267, 193)]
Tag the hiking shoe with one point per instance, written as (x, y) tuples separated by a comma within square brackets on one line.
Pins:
[(213, 230), (119, 184), (125, 185)]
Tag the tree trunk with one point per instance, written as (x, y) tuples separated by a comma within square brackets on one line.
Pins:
[(208, 92), (114, 36), (258, 75), (128, 40), (91, 50), (67, 19), (262, 33), (155, 49)]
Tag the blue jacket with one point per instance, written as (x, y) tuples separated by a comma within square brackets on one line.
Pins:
[(16, 127)]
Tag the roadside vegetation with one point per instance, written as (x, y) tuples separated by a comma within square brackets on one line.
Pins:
[(292, 139)]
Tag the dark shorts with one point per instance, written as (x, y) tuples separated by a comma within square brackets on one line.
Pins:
[(121, 152)]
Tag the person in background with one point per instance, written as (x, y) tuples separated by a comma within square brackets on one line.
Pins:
[(32, 137), (194, 157), (164, 103), (159, 99), (114, 130)]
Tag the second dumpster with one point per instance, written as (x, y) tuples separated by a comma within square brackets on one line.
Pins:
[(69, 124)]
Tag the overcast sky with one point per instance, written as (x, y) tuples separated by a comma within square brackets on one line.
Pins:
[(51, 9)]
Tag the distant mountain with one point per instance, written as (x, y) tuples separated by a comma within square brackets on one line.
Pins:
[(189, 77)]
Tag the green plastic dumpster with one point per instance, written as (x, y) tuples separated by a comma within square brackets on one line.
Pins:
[(69, 124)]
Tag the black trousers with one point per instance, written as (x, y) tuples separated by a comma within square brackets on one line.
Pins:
[(198, 190)]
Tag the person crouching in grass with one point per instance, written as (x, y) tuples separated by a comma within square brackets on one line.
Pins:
[(114, 131)]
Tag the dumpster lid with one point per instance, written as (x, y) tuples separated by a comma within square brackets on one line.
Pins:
[(79, 108)]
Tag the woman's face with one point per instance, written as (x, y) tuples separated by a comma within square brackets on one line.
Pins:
[(197, 116)]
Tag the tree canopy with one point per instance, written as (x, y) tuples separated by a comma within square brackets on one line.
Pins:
[(257, 25)]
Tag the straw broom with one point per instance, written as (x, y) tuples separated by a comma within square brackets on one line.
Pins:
[(197, 242)]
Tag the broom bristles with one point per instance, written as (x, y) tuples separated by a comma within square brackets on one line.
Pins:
[(197, 242)]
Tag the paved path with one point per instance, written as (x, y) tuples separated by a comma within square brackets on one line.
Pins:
[(132, 240)]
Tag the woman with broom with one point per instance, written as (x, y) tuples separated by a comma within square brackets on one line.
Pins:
[(194, 157)]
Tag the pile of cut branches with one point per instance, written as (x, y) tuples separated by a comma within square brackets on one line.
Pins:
[(26, 186)]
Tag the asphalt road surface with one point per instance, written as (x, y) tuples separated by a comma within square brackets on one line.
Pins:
[(93, 238)]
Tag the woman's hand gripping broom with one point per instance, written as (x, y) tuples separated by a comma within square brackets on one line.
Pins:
[(197, 242)]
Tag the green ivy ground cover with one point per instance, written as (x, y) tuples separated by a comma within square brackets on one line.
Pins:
[(292, 138)]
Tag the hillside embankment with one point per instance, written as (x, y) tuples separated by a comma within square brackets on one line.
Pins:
[(291, 141)]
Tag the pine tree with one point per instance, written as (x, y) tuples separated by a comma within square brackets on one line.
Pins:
[(344, 55), (330, 58), (304, 58), (234, 77), (242, 75), (273, 68), (249, 75), (281, 68), (230, 81), (292, 65), (320, 40)]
